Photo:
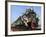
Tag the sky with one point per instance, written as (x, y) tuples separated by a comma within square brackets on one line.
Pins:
[(18, 10)]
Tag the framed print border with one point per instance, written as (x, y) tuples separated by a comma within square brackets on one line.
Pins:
[(6, 18)]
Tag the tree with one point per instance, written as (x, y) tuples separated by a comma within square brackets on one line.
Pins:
[(30, 14)]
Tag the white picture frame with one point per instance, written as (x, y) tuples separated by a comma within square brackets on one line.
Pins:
[(8, 15)]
